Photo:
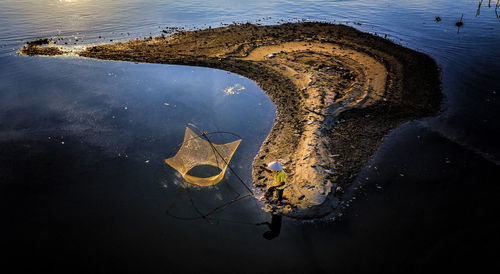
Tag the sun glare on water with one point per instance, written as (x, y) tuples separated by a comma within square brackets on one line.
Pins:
[(71, 1)]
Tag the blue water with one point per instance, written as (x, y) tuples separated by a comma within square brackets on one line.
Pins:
[(98, 201)]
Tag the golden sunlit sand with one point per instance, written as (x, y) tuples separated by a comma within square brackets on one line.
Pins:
[(338, 92)]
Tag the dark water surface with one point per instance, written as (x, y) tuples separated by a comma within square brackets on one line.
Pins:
[(83, 187)]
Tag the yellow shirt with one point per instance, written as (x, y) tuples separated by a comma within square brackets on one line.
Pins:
[(279, 178)]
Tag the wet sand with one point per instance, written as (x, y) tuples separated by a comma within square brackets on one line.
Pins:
[(337, 91)]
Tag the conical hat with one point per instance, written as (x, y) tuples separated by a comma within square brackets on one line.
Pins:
[(275, 166)]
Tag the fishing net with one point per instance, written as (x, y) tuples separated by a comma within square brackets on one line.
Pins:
[(198, 151)]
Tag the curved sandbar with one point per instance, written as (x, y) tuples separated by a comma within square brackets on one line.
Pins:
[(337, 91)]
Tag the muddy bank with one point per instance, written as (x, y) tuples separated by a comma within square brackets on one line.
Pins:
[(338, 92)]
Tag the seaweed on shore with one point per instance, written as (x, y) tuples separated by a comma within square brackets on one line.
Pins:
[(40, 47)]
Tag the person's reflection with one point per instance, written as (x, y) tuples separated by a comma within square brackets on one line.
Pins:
[(274, 227)]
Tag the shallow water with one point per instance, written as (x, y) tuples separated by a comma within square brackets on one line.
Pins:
[(98, 201)]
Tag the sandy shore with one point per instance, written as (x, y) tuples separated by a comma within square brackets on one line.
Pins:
[(338, 92)]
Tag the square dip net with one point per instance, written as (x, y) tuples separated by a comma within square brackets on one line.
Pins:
[(198, 151)]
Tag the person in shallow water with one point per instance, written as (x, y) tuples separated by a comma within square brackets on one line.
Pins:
[(279, 174)]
